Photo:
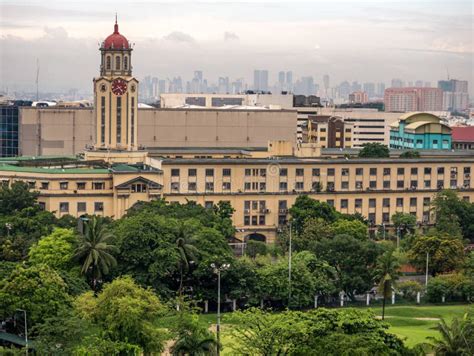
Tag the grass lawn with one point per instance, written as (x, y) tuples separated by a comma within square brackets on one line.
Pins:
[(411, 323)]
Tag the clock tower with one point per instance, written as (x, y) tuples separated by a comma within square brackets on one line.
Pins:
[(116, 96)]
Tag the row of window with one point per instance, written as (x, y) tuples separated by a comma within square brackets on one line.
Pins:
[(330, 172), (118, 61), (81, 207), (66, 185)]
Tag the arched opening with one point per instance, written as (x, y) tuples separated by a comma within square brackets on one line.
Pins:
[(125, 63), (117, 63), (108, 62), (255, 236)]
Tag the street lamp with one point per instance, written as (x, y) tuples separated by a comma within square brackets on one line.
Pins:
[(26, 329), (217, 269), (289, 269)]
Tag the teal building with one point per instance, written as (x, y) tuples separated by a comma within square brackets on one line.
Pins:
[(420, 130)]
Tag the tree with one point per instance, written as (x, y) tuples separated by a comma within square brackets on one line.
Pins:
[(55, 250), (37, 289), (354, 228), (314, 230), (16, 197), (126, 312), (387, 272), (193, 339), (410, 154), (95, 251), (353, 261), (445, 253), (255, 248), (306, 207), (187, 255), (374, 150), (404, 223), (456, 339)]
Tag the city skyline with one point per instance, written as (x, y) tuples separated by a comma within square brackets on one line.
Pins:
[(172, 40)]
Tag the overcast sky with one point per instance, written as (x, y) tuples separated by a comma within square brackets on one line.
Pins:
[(349, 40)]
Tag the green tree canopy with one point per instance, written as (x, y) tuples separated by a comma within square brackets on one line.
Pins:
[(16, 197), (305, 208), (410, 154), (354, 228), (126, 312), (374, 150), (55, 250)]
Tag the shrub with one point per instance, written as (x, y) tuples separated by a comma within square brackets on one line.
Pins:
[(453, 286), (255, 248), (409, 289)]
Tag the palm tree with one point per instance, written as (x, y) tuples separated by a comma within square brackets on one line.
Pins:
[(187, 255), (194, 339), (457, 339), (387, 272), (95, 251)]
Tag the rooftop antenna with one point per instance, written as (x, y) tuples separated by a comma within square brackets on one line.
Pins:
[(37, 78)]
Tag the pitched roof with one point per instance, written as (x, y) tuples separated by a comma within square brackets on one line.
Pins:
[(463, 133)]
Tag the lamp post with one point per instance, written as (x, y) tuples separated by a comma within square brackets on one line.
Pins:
[(217, 269), (26, 329), (289, 269), (427, 265)]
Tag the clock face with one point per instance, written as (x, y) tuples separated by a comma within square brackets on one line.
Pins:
[(119, 86)]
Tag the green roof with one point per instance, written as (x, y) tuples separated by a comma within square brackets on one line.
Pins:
[(13, 168)]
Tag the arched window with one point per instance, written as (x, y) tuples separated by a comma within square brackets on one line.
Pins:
[(108, 60), (117, 63), (125, 63)]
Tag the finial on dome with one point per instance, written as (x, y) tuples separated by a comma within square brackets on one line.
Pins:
[(116, 25)]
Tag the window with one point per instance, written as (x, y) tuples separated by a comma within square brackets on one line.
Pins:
[(226, 185), (283, 186), (454, 171), (358, 185), (359, 171), (32, 184), (175, 187), (385, 217), (414, 184), (208, 204), (283, 172), (299, 172), (125, 63), (246, 206), (64, 207), (345, 171), (81, 185), (81, 207), (330, 187), (426, 217), (330, 202), (299, 185), (192, 172), (453, 183), (117, 63), (63, 185), (254, 220), (246, 220), (440, 170), (399, 202), (373, 171), (282, 205), (226, 172), (373, 184), (386, 184), (108, 62), (192, 186), (175, 172), (400, 171), (263, 172), (42, 205), (344, 203), (254, 205), (247, 186), (261, 220), (372, 203), (440, 184), (412, 201), (209, 186), (209, 172), (139, 188), (467, 170), (414, 171), (262, 186), (344, 185), (282, 220), (427, 170), (248, 172), (45, 185), (331, 172), (427, 184), (98, 185), (426, 201), (371, 218), (466, 184), (386, 171), (358, 203), (400, 184), (316, 172), (386, 202)]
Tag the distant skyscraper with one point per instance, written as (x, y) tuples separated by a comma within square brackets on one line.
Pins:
[(260, 79), (427, 84), (358, 97), (223, 85), (380, 89), (455, 94), (326, 84), (369, 88), (397, 83), (419, 83), (305, 86), (356, 86), (289, 80), (344, 89), (281, 78), (413, 99)]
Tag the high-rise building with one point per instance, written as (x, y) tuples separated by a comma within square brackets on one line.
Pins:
[(344, 89), (413, 99), (305, 86), (281, 78), (289, 80), (358, 97), (223, 85), (455, 94), (369, 88), (380, 89), (419, 83), (260, 79), (397, 83)]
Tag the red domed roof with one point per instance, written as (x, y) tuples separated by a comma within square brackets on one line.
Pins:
[(116, 40)]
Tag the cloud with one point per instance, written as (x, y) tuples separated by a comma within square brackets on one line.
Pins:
[(230, 36), (178, 36), (55, 32)]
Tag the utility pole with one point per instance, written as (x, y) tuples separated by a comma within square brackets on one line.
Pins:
[(217, 270), (427, 262)]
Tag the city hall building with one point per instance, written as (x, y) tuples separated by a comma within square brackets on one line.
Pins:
[(260, 183)]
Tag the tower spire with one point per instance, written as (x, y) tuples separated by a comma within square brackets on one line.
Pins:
[(116, 25)]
